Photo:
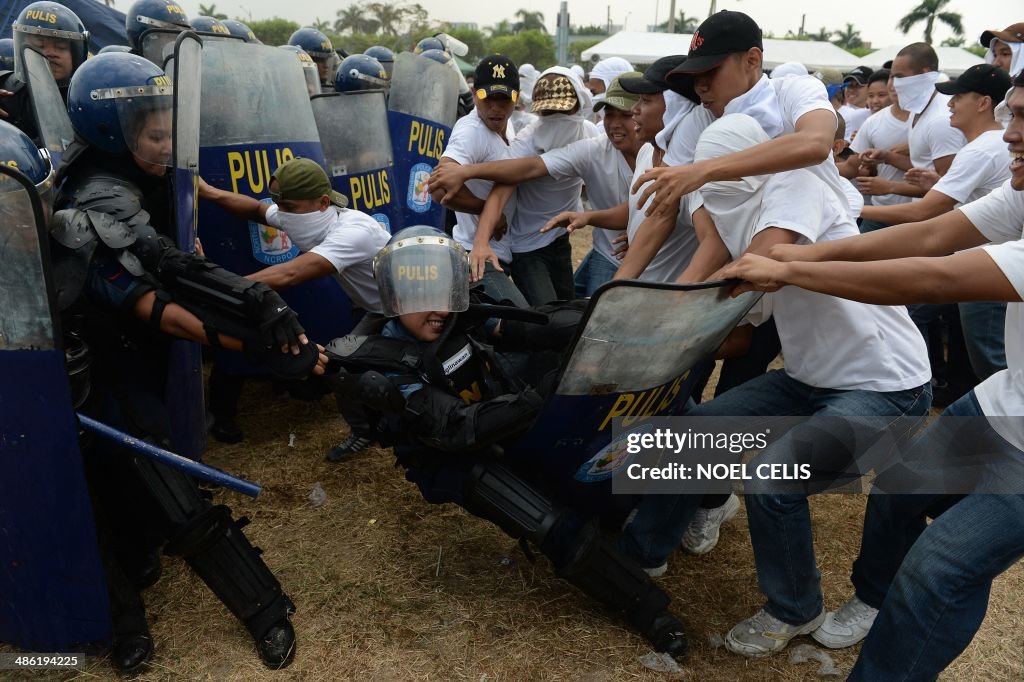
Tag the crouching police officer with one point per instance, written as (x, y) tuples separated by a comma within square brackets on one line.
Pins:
[(125, 288), (447, 401)]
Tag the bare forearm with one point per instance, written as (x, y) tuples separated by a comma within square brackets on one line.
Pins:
[(911, 212), (238, 205), (615, 218), (510, 172), (180, 323), (968, 276), (465, 202), (905, 189)]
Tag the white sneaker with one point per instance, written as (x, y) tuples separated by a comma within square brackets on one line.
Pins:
[(701, 535), (847, 625), (657, 571), (764, 634)]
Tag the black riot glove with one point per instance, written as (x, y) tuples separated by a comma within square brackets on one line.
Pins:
[(278, 324), (556, 334)]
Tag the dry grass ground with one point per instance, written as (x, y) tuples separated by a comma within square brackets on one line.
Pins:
[(391, 588)]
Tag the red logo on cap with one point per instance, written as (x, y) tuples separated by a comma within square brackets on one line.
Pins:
[(696, 41)]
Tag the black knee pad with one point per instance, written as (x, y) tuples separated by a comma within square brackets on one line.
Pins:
[(496, 493)]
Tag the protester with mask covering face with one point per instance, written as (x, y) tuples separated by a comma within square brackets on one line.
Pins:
[(333, 240), (542, 262), (842, 358)]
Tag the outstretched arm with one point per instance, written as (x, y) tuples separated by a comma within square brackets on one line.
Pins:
[(237, 205), (450, 177)]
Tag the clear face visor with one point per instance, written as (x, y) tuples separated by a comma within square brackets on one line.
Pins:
[(64, 50), (312, 76), (158, 45), (372, 82), (147, 119), (422, 274)]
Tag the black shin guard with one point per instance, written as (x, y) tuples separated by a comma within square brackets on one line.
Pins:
[(214, 546), (580, 554), (604, 573), (217, 550)]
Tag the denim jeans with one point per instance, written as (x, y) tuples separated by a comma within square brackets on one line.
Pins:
[(984, 327), (932, 582), (545, 275), (871, 225), (498, 286), (780, 525), (594, 271)]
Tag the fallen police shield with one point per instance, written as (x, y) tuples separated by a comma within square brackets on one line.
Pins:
[(422, 108), (51, 577), (185, 381), (354, 133), (48, 108), (256, 115), (638, 353)]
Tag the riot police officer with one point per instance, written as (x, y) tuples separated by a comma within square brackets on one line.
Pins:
[(360, 72), (211, 25), (382, 54), (58, 34), (310, 71), (153, 25), (448, 401), (318, 46), (240, 30), (128, 291)]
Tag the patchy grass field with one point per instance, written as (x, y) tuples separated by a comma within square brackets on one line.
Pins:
[(391, 588)]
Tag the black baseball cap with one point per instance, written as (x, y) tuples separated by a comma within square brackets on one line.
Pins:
[(721, 35), (653, 80), (984, 79), (496, 74), (861, 75)]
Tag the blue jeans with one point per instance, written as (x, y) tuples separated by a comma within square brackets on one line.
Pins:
[(871, 225), (545, 274), (932, 582), (594, 271), (984, 327), (498, 286), (780, 525)]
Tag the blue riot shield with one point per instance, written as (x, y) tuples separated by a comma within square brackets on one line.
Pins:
[(357, 149), (256, 115), (421, 112), (639, 350), (54, 596), (48, 108), (185, 379)]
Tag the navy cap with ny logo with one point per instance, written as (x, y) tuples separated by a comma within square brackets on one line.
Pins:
[(496, 75)]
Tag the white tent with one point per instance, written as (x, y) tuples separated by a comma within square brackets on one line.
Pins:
[(952, 60), (645, 48)]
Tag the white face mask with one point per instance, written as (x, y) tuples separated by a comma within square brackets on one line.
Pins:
[(307, 230), (914, 92)]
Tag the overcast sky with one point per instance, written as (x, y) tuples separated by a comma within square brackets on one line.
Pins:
[(875, 19)]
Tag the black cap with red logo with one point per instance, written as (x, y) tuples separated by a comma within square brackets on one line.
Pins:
[(721, 34)]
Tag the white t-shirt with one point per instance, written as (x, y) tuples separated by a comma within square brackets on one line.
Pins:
[(1000, 217), (977, 169), (349, 244), (605, 172), (854, 118), (675, 254), (931, 137), (541, 199), (882, 130), (794, 96), (830, 342), (472, 141)]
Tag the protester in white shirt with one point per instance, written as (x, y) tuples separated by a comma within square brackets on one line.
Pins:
[(842, 358), (604, 163), (477, 138), (855, 111), (1005, 49), (921, 589), (724, 71)]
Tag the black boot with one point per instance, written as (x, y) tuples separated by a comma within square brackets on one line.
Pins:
[(132, 648), (277, 646)]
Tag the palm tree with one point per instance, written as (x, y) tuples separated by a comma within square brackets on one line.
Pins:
[(321, 25), (684, 24), (349, 18), (388, 16), (928, 11), (822, 35), (529, 21), (210, 11), (849, 38), (502, 28)]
